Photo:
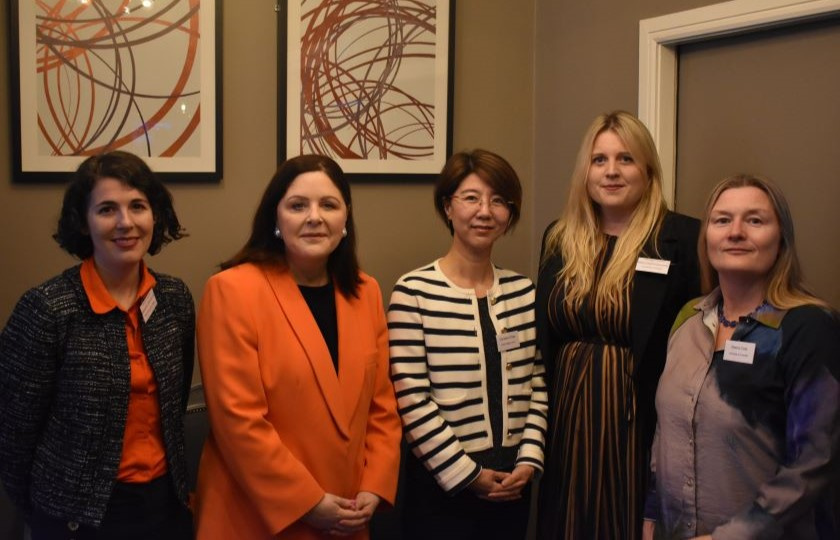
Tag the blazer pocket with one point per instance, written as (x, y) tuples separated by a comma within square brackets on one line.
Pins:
[(448, 397)]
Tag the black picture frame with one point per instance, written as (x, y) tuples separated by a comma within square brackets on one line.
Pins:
[(383, 170), (123, 115)]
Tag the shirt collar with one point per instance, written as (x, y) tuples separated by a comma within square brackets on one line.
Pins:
[(771, 316), (100, 299)]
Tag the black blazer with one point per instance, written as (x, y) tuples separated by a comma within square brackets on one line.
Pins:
[(654, 305), (64, 389)]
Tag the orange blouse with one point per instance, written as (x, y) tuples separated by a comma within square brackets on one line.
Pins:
[(143, 454)]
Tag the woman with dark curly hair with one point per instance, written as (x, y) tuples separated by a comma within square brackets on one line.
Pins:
[(95, 368)]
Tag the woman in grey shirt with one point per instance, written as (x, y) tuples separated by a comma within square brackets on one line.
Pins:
[(749, 401)]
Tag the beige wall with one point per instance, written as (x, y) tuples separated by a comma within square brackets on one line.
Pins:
[(397, 227)]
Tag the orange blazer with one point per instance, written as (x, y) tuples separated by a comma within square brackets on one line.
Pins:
[(285, 428)]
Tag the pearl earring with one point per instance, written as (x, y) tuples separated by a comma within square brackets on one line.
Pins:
[(344, 232), (277, 233)]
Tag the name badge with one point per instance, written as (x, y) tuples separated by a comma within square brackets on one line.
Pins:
[(148, 305), (654, 266), (739, 351), (507, 341)]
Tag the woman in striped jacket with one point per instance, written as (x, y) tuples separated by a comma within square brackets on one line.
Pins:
[(470, 391)]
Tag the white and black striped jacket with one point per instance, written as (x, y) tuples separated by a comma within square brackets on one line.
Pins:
[(437, 366)]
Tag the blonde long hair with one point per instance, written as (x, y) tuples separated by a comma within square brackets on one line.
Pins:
[(577, 234), (785, 284)]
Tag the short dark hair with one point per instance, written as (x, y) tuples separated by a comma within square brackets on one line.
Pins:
[(72, 233), (263, 247), (490, 167)]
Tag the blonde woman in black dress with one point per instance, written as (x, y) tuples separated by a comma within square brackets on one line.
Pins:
[(615, 269)]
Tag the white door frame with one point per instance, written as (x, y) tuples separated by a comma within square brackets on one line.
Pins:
[(658, 41)]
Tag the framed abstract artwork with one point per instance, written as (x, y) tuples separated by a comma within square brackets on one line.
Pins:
[(89, 76), (368, 83)]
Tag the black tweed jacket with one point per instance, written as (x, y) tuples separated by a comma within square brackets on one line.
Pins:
[(64, 388)]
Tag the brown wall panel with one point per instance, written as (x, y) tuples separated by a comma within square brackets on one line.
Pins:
[(767, 103)]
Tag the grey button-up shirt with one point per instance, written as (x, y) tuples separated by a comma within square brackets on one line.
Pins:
[(749, 449)]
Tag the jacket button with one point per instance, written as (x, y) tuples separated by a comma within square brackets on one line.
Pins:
[(510, 400), (73, 525), (509, 366), (509, 434), (493, 300)]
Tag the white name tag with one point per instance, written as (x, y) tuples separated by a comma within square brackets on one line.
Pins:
[(739, 351), (507, 341), (654, 266), (148, 305)]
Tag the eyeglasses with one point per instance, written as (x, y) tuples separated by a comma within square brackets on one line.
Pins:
[(471, 201)]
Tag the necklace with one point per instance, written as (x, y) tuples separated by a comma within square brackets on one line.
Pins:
[(732, 324)]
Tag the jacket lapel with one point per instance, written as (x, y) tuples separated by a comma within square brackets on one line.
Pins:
[(649, 291), (648, 295), (303, 324)]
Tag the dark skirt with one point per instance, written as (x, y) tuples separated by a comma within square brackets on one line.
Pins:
[(430, 512)]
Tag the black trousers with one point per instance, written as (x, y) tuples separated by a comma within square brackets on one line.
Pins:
[(430, 513), (135, 512)]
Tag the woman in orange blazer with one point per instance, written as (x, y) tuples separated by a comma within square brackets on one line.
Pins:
[(293, 350)]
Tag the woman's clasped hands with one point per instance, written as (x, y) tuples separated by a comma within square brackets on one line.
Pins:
[(342, 517), (502, 486)]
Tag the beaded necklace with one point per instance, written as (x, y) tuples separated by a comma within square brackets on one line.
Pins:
[(732, 324)]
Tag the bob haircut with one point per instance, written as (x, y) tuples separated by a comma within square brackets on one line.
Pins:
[(263, 247), (72, 234), (785, 282), (490, 167)]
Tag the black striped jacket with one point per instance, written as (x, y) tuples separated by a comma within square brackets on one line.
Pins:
[(437, 366), (64, 388)]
